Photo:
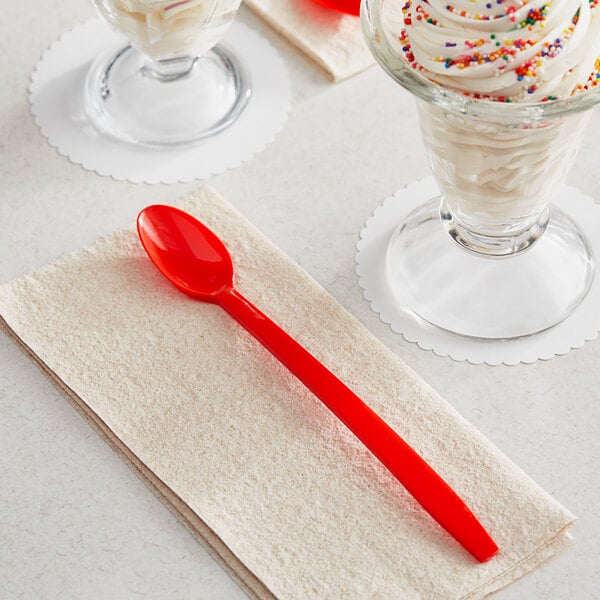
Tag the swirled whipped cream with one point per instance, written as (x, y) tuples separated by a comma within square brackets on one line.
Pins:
[(506, 50), (164, 28)]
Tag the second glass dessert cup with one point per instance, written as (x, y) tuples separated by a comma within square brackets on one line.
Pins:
[(491, 257), (173, 84)]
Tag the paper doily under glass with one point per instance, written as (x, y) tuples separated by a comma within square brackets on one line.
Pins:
[(583, 325), (56, 97)]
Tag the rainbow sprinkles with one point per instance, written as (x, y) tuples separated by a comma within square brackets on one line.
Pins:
[(504, 50)]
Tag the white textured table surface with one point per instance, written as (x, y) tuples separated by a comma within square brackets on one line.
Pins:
[(75, 522)]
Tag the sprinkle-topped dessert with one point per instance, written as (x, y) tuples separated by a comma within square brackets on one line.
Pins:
[(504, 50)]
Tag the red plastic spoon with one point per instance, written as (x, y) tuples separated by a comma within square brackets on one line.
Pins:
[(195, 260), (350, 7)]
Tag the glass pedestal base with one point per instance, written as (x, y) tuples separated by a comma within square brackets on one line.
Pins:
[(167, 102), (482, 296)]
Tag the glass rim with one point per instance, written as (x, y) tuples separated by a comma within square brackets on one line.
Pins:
[(453, 101)]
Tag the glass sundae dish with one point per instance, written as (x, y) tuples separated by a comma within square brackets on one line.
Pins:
[(173, 84), (504, 90)]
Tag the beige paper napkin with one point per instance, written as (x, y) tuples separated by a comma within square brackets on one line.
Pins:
[(254, 464), (333, 40)]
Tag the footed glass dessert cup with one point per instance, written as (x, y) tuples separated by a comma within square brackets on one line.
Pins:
[(491, 257), (172, 84)]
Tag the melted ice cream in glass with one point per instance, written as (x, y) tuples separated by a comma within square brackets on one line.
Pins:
[(175, 83)]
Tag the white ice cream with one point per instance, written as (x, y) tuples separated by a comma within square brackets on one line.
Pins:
[(493, 173), (167, 28), (515, 50)]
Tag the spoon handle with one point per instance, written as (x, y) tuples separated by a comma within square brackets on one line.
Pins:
[(425, 485)]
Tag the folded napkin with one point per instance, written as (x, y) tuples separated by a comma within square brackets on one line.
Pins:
[(333, 40), (290, 502)]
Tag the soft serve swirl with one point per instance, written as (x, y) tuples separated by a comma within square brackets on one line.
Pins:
[(506, 50)]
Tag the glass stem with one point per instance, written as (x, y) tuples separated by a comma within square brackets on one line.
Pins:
[(498, 240), (169, 69)]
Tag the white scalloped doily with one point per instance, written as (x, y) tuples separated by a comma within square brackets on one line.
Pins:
[(56, 97), (573, 332)]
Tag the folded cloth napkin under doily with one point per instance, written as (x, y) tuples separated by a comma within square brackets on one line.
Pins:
[(333, 40), (250, 460)]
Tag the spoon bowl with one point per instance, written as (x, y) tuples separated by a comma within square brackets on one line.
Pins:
[(349, 7), (186, 252)]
